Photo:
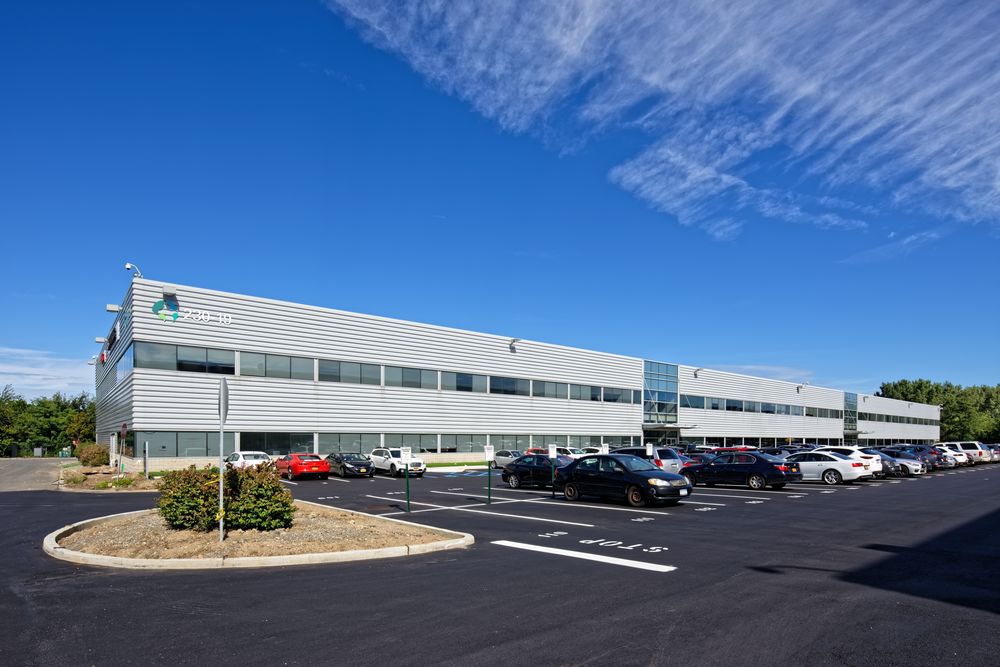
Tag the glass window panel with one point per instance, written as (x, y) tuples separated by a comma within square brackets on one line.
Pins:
[(350, 372), (428, 379), (302, 368), (329, 371), (714, 403), (576, 392), (734, 405), (810, 412), (300, 442), (449, 443), (212, 443), (371, 374), (751, 406), (194, 444), (796, 410), (278, 366), (252, 442), (221, 361), (428, 443), (192, 359), (449, 381), (393, 439), (411, 377), (329, 443), (369, 441), (155, 355), (252, 363), (767, 408), (277, 444), (393, 377), (161, 443)]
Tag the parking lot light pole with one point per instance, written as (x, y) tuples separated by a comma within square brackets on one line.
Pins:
[(552, 458), (406, 453), (488, 455)]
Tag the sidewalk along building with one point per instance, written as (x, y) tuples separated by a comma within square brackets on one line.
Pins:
[(310, 379)]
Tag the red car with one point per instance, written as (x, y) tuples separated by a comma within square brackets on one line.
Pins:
[(299, 465)]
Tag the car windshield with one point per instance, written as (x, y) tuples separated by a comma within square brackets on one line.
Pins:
[(353, 457), (308, 457), (394, 453), (838, 455), (255, 457), (635, 464), (515, 453), (574, 450)]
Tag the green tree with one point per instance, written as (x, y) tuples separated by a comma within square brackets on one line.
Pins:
[(967, 413)]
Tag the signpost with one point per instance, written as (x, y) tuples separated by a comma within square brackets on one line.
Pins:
[(223, 412), (406, 455), (604, 448), (649, 449), (552, 458), (488, 454)]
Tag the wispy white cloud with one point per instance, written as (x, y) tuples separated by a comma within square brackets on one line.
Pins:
[(35, 373), (897, 247), (898, 101)]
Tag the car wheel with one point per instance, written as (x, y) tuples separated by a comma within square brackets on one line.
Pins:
[(907, 471), (832, 477), (289, 474), (493, 465), (690, 479), (570, 492), (777, 487), (635, 497), (514, 482), (756, 482), (393, 471)]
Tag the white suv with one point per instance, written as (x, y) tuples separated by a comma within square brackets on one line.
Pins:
[(391, 461)]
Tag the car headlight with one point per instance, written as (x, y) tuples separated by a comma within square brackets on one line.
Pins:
[(655, 481), (679, 482)]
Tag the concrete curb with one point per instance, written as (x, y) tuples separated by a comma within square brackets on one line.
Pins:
[(51, 546)]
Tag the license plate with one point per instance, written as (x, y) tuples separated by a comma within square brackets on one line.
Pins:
[(363, 470), (684, 492)]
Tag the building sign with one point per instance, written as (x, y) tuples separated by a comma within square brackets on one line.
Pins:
[(169, 310)]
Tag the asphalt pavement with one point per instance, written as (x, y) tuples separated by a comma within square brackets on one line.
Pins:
[(24, 474), (900, 572)]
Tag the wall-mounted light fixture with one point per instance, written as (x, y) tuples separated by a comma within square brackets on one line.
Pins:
[(129, 266), (92, 360), (100, 339), (696, 371), (511, 344), (112, 308)]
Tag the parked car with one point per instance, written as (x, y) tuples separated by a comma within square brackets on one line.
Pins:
[(977, 452), (910, 463), (663, 458), (571, 452), (754, 469), (532, 470), (247, 459), (930, 456), (829, 467), (698, 458), (957, 453), (391, 461), (889, 466), (350, 464), (591, 450), (874, 460), (635, 479), (504, 456), (300, 465), (995, 448)]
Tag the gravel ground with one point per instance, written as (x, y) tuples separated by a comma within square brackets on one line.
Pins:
[(314, 530)]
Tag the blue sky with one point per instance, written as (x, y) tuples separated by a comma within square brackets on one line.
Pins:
[(811, 195)]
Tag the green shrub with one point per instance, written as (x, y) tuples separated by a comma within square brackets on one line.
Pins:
[(190, 498), (122, 482), (256, 499), (93, 454), (103, 485), (74, 479)]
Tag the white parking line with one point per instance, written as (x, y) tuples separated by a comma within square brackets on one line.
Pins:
[(719, 495), (337, 479), (559, 504), (693, 502), (285, 481), (511, 516), (611, 560), (439, 509)]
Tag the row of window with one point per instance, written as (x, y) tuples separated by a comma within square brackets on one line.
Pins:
[(172, 444), (897, 419), (738, 405), (255, 364)]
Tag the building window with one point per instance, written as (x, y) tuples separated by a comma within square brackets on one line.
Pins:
[(584, 392), (278, 366), (616, 395), (517, 443), (192, 359), (330, 443), (734, 405), (463, 382), (301, 368), (348, 371), (796, 410), (549, 389), (463, 443), (714, 403), (221, 361), (252, 363), (155, 355), (688, 401), (751, 406), (768, 408), (513, 386), (415, 378), (811, 412)]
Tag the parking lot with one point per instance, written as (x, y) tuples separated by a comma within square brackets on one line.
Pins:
[(873, 573)]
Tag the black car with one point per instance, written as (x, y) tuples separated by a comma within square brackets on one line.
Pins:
[(532, 470), (754, 469), (636, 480), (930, 459), (664, 458), (700, 457), (350, 464), (890, 468)]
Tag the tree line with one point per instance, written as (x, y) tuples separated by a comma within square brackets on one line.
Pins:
[(967, 413), (50, 422)]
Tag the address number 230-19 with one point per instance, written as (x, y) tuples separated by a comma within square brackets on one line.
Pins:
[(206, 316)]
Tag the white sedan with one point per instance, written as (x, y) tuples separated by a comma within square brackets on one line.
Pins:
[(874, 461), (505, 456), (961, 458), (391, 461), (830, 467), (247, 459)]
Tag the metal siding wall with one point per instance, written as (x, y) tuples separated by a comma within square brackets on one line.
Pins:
[(718, 423), (732, 385), (167, 400), (115, 410), (263, 325)]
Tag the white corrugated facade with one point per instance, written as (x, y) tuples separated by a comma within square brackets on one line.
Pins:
[(158, 400)]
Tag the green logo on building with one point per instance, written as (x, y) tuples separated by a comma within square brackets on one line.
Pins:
[(167, 307)]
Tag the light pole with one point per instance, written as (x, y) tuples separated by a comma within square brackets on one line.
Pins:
[(129, 266)]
